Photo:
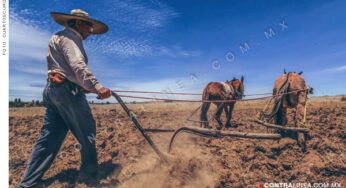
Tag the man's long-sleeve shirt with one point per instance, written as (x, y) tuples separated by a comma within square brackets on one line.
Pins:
[(66, 55)]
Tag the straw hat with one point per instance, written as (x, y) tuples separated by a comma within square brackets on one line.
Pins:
[(78, 14)]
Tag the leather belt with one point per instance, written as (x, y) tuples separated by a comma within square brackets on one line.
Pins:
[(56, 78)]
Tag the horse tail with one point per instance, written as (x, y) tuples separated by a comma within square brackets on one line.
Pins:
[(279, 99), (205, 108)]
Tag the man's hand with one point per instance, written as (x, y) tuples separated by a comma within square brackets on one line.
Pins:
[(104, 93)]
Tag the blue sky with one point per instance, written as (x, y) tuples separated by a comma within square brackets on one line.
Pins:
[(180, 46)]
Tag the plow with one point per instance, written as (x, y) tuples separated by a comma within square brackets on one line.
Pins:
[(301, 132)]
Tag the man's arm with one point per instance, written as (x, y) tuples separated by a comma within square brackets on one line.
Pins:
[(76, 61)]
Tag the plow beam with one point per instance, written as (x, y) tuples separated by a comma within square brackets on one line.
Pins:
[(217, 134), (159, 130), (296, 129)]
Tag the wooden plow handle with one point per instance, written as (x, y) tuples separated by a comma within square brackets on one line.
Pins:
[(139, 127)]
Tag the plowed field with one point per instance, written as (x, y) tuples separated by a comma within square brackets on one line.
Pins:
[(126, 160)]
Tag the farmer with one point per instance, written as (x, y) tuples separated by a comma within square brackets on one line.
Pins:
[(69, 78)]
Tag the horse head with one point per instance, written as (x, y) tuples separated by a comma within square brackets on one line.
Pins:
[(300, 73)]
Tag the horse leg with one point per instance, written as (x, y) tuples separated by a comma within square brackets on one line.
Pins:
[(231, 107), (228, 123), (218, 113), (299, 118), (300, 108), (280, 117), (204, 111)]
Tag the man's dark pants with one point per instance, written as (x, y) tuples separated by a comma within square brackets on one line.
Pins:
[(66, 109)]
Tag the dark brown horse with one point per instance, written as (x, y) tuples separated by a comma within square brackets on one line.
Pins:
[(289, 83), (229, 90)]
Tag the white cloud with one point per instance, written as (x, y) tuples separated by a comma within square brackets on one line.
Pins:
[(131, 47), (28, 46), (121, 46), (341, 68), (132, 28), (327, 70), (26, 41), (138, 16), (27, 68), (160, 85), (176, 51), (182, 84), (133, 25), (26, 87)]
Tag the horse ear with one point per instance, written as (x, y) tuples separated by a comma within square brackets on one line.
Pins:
[(300, 73), (242, 79), (285, 71)]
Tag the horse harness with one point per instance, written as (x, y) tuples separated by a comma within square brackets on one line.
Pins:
[(229, 89)]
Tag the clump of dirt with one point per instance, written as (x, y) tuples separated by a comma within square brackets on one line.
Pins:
[(187, 167)]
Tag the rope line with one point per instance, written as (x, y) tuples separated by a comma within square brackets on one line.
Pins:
[(156, 92), (216, 101), (172, 93)]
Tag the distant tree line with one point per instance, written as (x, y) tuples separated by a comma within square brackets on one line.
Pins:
[(92, 102), (18, 103)]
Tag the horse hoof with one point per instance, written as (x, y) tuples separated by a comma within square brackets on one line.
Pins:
[(228, 125), (218, 128)]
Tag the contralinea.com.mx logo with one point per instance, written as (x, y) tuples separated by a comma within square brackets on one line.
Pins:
[(300, 185)]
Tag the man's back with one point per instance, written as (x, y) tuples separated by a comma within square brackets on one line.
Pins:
[(66, 55)]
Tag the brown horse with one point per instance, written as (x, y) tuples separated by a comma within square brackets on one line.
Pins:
[(289, 82), (229, 90)]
